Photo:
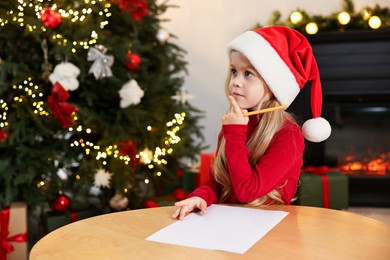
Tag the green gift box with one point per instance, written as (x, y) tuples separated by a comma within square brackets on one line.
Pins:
[(190, 180), (323, 189), (54, 220), (166, 200)]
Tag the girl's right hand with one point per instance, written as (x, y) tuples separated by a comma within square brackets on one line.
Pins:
[(235, 116), (188, 205)]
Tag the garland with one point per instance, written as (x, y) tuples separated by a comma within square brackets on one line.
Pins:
[(366, 19)]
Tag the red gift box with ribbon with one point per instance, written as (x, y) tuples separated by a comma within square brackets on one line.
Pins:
[(206, 163), (54, 220), (323, 187), (13, 232)]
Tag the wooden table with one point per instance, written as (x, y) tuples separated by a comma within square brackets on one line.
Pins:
[(306, 233)]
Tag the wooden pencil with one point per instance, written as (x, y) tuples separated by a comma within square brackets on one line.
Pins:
[(265, 110)]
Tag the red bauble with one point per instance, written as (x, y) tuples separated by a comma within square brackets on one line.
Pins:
[(61, 203), (3, 135), (51, 18), (129, 148), (180, 194), (133, 61), (150, 204)]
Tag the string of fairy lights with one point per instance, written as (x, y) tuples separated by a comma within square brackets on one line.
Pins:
[(28, 89), (152, 159), (373, 21), (73, 15), (147, 157)]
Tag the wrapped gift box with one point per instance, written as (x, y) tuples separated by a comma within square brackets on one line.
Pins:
[(323, 189), (54, 220), (166, 200), (14, 219), (190, 180), (206, 163)]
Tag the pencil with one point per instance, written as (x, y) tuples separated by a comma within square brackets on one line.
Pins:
[(264, 110)]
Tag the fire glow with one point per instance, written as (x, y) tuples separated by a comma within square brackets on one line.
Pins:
[(377, 166)]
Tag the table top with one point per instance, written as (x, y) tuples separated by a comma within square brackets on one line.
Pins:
[(306, 233)]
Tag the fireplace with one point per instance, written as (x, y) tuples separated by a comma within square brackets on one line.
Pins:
[(355, 74)]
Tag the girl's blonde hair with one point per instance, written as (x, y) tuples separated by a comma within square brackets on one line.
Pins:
[(257, 144)]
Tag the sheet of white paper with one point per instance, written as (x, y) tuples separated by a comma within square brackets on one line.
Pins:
[(227, 228)]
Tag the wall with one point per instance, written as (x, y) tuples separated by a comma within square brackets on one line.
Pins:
[(204, 27)]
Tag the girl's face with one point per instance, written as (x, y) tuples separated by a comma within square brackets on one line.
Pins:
[(245, 84)]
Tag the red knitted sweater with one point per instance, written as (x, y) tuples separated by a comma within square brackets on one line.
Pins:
[(282, 161)]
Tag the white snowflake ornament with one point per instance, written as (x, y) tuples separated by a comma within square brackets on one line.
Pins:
[(182, 96), (102, 178), (66, 74), (130, 94)]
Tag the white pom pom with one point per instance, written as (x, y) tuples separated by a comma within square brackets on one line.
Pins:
[(130, 94), (66, 74), (316, 130)]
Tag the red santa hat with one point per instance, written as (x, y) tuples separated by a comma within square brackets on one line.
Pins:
[(284, 58)]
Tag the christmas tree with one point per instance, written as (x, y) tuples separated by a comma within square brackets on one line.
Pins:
[(91, 103)]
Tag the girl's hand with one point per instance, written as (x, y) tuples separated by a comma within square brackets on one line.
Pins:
[(188, 205), (235, 116)]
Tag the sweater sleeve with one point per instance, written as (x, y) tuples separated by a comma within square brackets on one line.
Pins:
[(282, 159), (207, 191)]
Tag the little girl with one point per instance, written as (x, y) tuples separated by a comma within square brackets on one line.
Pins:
[(258, 159)]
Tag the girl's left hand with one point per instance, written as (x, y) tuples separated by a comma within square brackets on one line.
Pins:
[(235, 116)]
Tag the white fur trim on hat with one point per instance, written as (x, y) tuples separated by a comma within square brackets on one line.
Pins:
[(316, 129), (269, 64)]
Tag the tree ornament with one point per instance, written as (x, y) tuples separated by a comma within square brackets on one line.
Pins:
[(61, 109), (101, 63), (150, 204), (136, 8), (182, 96), (51, 18), (130, 94), (180, 194), (3, 135), (61, 203), (129, 148), (133, 61), (162, 36), (102, 178), (66, 74), (62, 174), (119, 202)]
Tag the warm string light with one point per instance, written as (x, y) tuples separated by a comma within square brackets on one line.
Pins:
[(311, 28), (101, 154), (344, 18), (146, 156), (3, 115), (296, 17), (373, 21), (157, 158), (32, 90), (73, 15)]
